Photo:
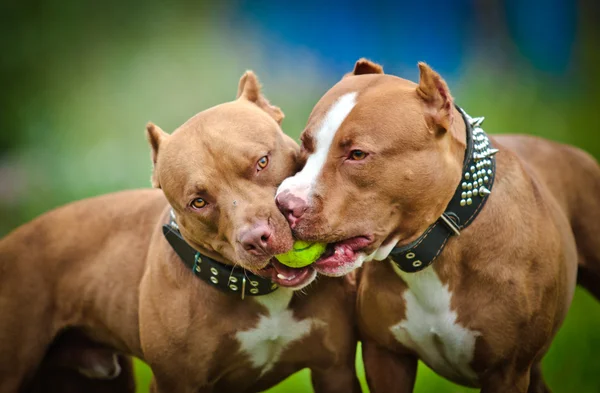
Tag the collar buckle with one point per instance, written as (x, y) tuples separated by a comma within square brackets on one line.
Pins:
[(449, 222)]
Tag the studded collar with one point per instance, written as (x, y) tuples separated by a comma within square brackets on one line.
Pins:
[(479, 170), (229, 279)]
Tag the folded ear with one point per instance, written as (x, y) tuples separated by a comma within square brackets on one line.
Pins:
[(249, 89), (364, 66), (434, 91), (155, 137)]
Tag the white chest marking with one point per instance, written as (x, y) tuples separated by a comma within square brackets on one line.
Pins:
[(265, 343), (302, 183), (430, 326)]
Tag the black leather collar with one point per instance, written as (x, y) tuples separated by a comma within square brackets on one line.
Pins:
[(479, 170), (230, 279)]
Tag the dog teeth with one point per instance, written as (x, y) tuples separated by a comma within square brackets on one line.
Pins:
[(282, 277)]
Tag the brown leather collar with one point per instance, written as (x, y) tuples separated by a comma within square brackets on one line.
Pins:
[(479, 170)]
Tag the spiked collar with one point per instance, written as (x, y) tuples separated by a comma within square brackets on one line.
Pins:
[(236, 281), (479, 170)]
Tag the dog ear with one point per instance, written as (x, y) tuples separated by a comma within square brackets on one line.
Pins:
[(249, 89), (155, 136), (364, 66), (434, 91)]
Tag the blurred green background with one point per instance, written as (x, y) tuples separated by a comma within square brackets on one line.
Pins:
[(80, 79)]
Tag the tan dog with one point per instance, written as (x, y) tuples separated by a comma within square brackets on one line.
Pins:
[(394, 169), (116, 267)]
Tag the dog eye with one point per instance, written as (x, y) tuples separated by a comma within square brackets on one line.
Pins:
[(357, 155), (262, 163), (198, 203)]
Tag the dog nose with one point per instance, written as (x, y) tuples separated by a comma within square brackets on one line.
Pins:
[(291, 206), (256, 239)]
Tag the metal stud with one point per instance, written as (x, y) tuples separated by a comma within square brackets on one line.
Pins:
[(469, 201), (254, 290), (484, 191), (198, 258), (198, 269), (486, 179), (463, 195), (254, 283), (480, 181), (475, 175), (463, 202), (469, 194), (214, 280), (410, 255), (233, 279), (467, 175), (464, 185), (472, 169), (233, 287), (469, 186), (475, 192), (417, 263), (274, 286), (490, 172), (214, 271)]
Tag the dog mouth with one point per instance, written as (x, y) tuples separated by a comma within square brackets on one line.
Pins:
[(343, 256), (285, 276)]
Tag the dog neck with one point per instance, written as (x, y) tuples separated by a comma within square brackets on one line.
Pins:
[(479, 170), (227, 278)]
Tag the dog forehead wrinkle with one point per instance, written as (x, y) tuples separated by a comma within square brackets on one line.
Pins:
[(323, 138)]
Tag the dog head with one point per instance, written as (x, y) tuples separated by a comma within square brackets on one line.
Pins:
[(220, 170), (384, 156)]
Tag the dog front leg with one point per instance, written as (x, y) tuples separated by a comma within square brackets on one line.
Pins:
[(170, 385), (388, 372), (536, 381), (506, 380), (336, 380)]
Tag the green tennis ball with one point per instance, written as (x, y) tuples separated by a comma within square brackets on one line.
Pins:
[(302, 254)]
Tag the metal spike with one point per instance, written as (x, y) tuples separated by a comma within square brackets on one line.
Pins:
[(484, 191), (485, 154), (476, 121), (490, 152)]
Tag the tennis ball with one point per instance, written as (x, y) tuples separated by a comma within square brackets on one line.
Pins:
[(302, 254)]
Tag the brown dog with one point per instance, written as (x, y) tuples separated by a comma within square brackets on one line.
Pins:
[(395, 169), (187, 282)]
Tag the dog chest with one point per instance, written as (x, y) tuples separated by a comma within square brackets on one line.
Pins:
[(430, 327), (274, 332)]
